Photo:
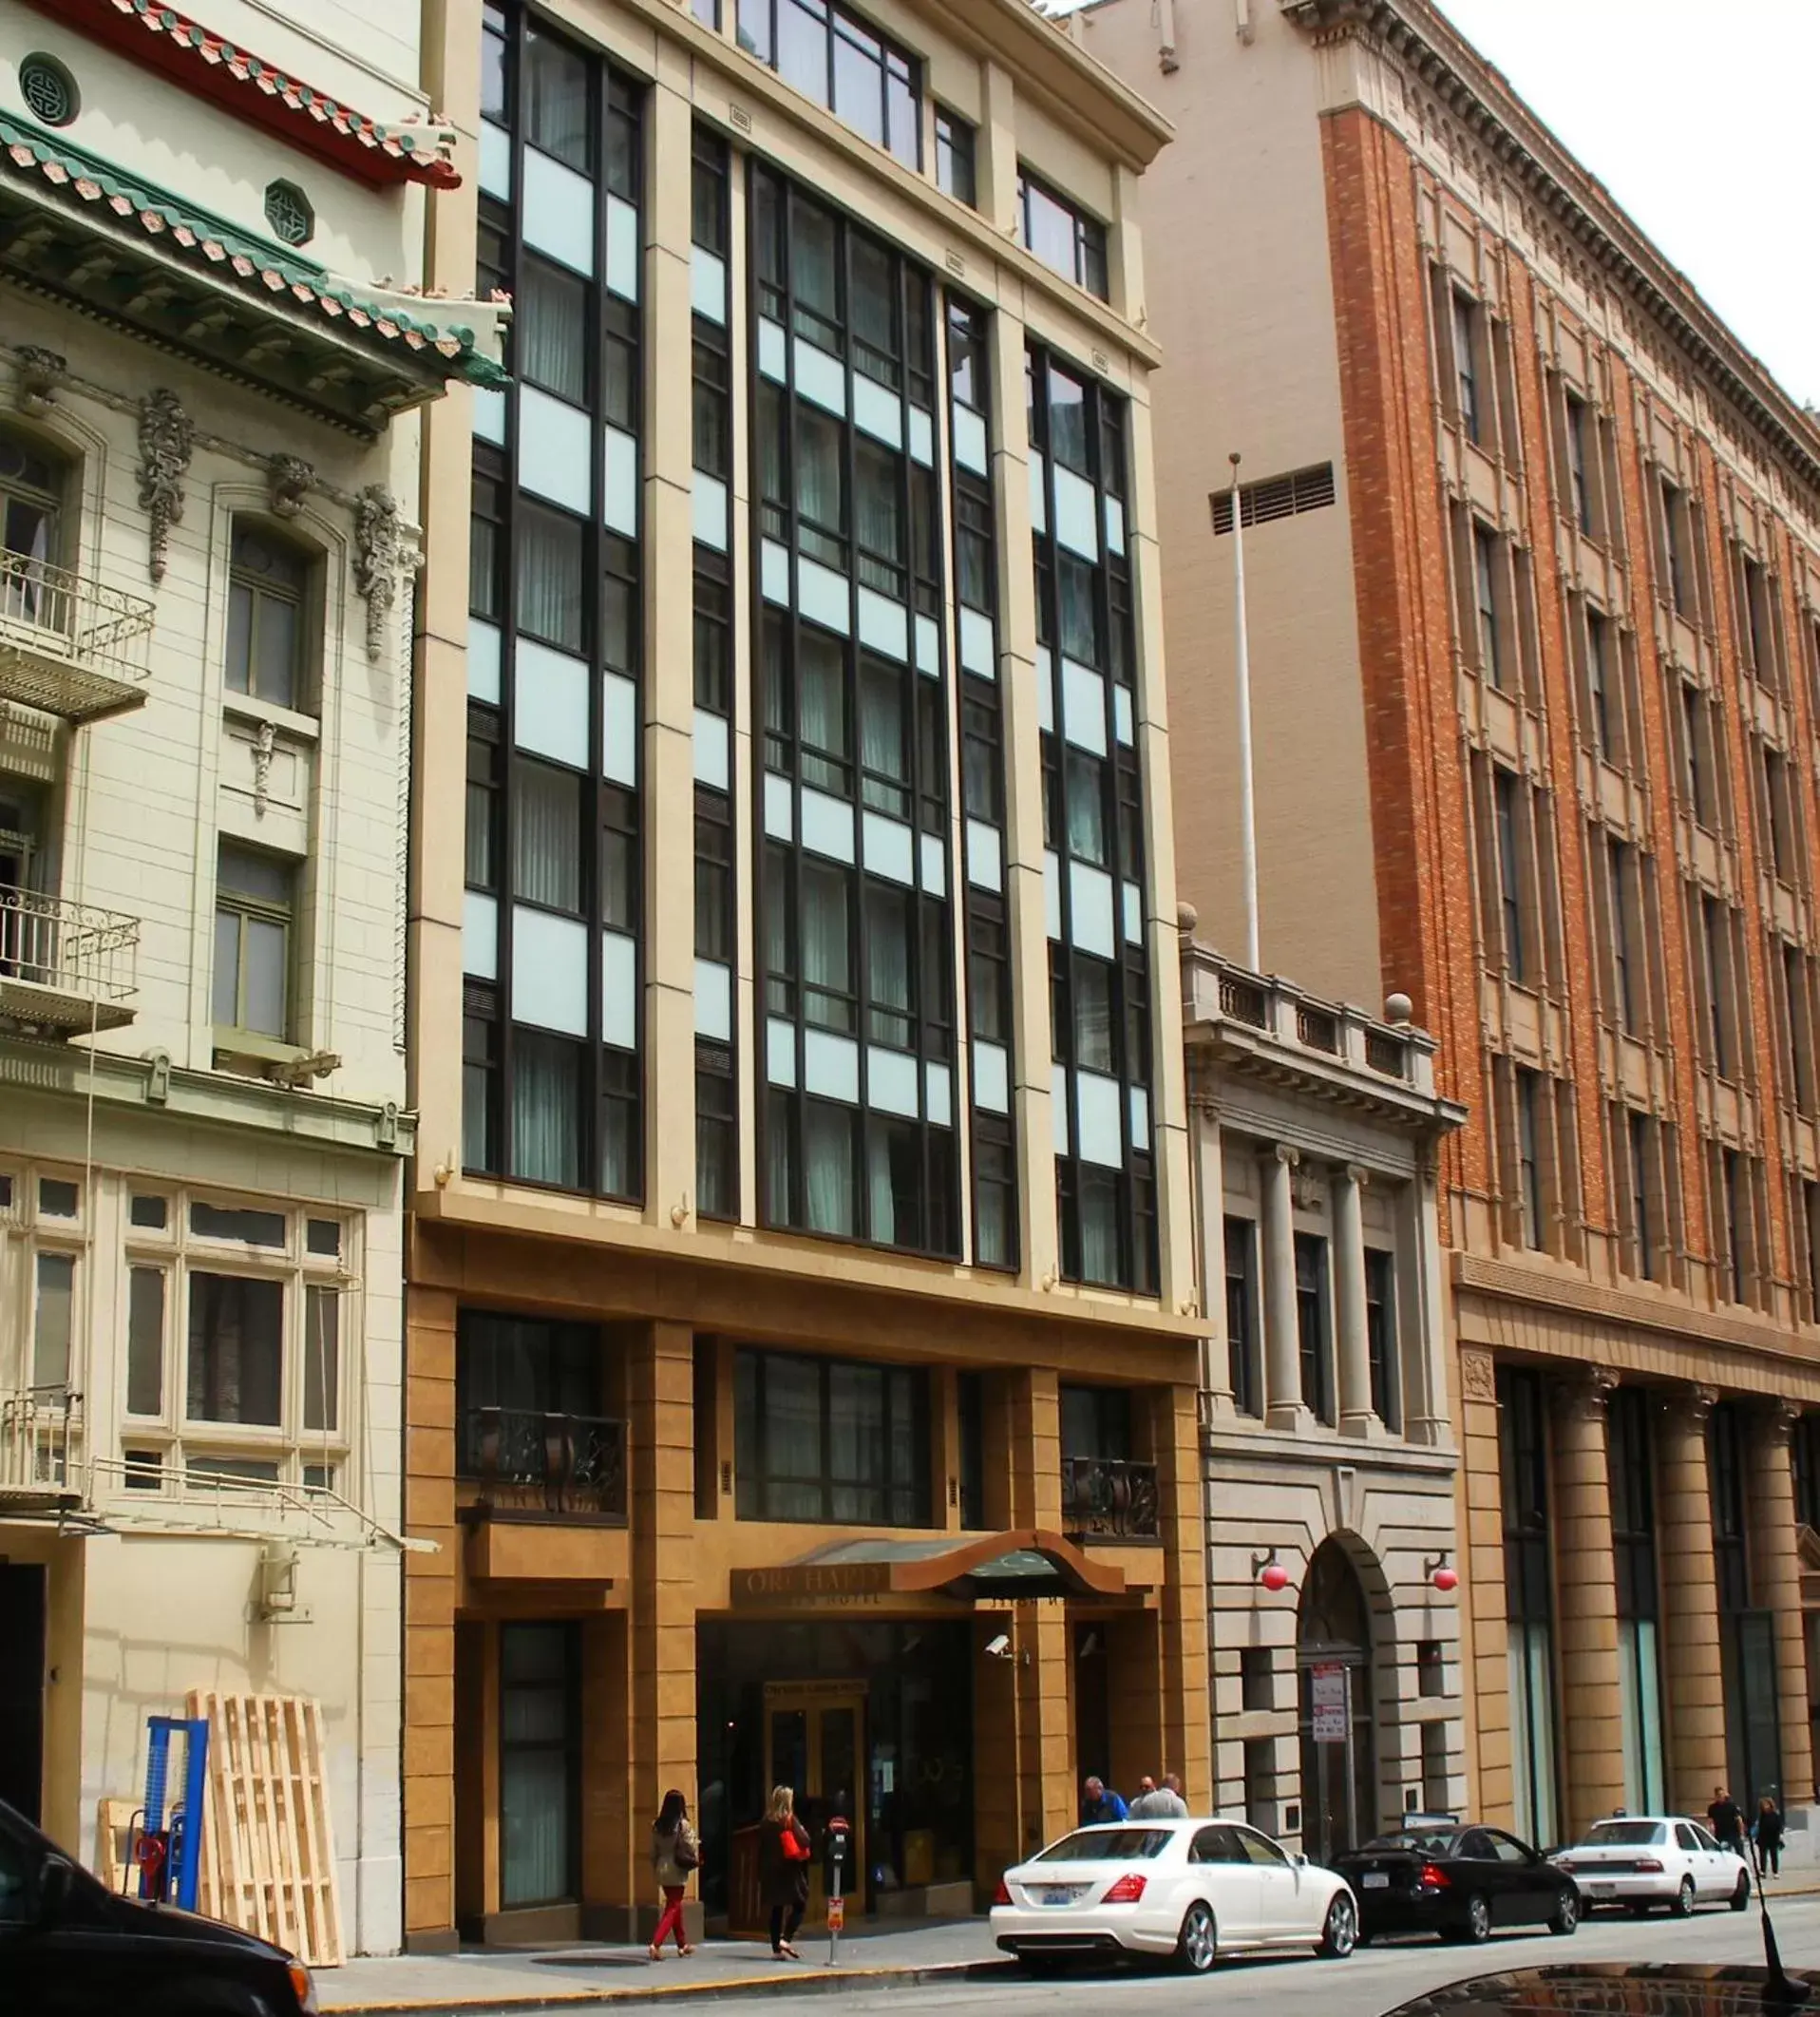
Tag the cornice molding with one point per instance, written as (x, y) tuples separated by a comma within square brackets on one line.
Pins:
[(1415, 34)]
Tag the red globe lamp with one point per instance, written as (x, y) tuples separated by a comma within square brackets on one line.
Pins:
[(1271, 1573), (1441, 1572)]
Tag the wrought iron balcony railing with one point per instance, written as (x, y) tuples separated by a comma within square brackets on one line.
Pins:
[(70, 644), (527, 1461), (1110, 1496), (65, 967)]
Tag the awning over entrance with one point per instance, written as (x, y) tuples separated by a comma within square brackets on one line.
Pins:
[(1023, 1562)]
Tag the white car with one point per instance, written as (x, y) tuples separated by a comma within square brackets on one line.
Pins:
[(1192, 1889), (1645, 1859)]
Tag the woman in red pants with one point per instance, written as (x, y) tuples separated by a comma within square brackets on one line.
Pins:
[(675, 1852)]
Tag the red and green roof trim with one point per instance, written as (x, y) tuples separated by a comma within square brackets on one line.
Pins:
[(254, 265), (158, 37)]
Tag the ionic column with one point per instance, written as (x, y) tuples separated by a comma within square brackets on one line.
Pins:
[(1778, 1563), (1356, 1415), (1690, 1605), (1592, 1716), (1284, 1404)]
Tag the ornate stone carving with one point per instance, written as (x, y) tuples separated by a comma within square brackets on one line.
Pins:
[(1478, 1376), (1283, 1152), (40, 374), (262, 744), (379, 557), (1585, 1392), (1689, 1406), (166, 438), (290, 477)]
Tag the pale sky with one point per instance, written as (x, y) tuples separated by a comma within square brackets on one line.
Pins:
[(1699, 117)]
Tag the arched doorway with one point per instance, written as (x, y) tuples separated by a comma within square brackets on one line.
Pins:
[(1334, 1672)]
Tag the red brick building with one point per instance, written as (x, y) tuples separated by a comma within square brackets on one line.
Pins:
[(1533, 552)]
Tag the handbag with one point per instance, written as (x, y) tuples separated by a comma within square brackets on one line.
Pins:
[(795, 1849), (688, 1852)]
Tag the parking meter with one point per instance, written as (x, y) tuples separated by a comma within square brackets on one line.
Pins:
[(836, 1846)]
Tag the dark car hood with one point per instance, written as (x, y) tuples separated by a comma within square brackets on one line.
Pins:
[(166, 1922), (1615, 1989)]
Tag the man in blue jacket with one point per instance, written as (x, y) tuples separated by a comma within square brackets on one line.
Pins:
[(1100, 1803)]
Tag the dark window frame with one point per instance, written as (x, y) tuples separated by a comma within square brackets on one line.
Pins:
[(603, 1151)]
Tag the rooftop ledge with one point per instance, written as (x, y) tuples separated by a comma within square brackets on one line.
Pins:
[(77, 227), (156, 37)]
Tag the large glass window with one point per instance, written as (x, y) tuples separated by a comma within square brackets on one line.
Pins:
[(551, 1001), (831, 1441), (1523, 1471), (268, 587), (835, 57), (254, 911), (1315, 1325), (1064, 237), (1093, 823), (854, 891), (1242, 1315), (1633, 1522), (539, 1762)]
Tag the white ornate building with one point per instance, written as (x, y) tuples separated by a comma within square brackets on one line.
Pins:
[(208, 455), (1331, 1458)]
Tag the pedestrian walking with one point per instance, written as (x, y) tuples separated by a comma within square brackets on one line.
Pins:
[(675, 1852), (1726, 1821), (1100, 1803), (1159, 1803), (1766, 1832), (784, 1853)]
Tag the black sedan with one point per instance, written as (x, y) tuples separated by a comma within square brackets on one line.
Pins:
[(1459, 1882), (70, 1948)]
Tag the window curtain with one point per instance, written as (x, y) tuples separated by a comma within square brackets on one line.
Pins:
[(770, 444), (1066, 398), (546, 830), (857, 1441), (887, 956), (822, 703), (1086, 809), (792, 1418), (1080, 627), (878, 516), (551, 328), (858, 81), (1099, 1219), (777, 1160), (555, 98), (549, 575), (537, 1860), (827, 955), (881, 738), (1092, 1014), (803, 57), (547, 1098), (819, 495), (881, 1205), (814, 261), (873, 302), (827, 1168), (237, 1349)]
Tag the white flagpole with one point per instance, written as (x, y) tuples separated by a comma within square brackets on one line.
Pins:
[(1247, 809)]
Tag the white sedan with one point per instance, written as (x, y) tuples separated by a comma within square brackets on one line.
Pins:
[(1646, 1859), (1193, 1888)]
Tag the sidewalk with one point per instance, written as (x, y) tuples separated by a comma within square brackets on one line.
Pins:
[(578, 1977)]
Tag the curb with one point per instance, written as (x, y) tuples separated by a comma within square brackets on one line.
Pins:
[(824, 1981)]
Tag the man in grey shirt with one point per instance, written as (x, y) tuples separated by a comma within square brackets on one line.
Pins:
[(1160, 1804)]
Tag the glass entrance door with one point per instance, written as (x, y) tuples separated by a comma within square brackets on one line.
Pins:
[(815, 1743)]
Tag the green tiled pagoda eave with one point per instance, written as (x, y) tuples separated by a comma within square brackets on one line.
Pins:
[(76, 227)]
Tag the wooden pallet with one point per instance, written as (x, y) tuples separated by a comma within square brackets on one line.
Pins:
[(268, 1848), (114, 1834)]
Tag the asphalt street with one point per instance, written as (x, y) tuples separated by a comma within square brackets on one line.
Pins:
[(1374, 1980)]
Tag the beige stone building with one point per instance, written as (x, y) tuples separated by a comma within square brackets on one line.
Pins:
[(1533, 557), (802, 1336), (208, 391), (1330, 1451)]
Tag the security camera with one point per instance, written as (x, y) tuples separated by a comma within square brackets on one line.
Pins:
[(998, 1648)]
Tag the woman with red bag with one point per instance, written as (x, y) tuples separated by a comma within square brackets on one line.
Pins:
[(784, 1853), (675, 1851)]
